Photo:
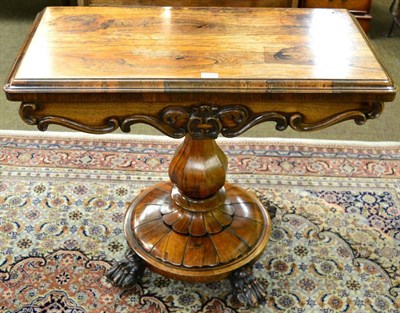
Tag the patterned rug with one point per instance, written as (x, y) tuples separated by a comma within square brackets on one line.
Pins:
[(335, 243)]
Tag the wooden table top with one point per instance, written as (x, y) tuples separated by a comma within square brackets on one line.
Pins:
[(164, 49)]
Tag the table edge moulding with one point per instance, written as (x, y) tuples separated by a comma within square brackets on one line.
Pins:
[(196, 73), (196, 3)]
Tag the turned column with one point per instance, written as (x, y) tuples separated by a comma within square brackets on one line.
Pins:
[(197, 227), (198, 172), (198, 168)]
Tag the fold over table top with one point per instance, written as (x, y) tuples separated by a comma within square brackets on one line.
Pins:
[(168, 50)]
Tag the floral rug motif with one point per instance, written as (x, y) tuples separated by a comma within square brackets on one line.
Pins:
[(334, 246)]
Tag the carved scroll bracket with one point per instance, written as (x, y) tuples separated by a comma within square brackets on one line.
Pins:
[(202, 121), (374, 109), (27, 112), (206, 121)]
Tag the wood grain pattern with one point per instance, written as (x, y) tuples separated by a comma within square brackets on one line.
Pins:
[(359, 5), (359, 8), (198, 168), (196, 73), (193, 3), (230, 121), (224, 248), (252, 50)]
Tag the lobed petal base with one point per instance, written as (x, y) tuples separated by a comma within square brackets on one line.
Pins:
[(197, 246)]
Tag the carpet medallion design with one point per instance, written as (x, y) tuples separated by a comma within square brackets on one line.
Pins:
[(334, 247)]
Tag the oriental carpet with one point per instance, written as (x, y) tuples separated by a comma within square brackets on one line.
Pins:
[(334, 247)]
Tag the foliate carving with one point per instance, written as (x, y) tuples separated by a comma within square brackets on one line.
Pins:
[(251, 121), (202, 121), (162, 125), (197, 224), (359, 117), (176, 118), (206, 121), (27, 113), (197, 217)]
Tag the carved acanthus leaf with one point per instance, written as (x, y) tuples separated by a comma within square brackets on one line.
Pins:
[(202, 121), (206, 121)]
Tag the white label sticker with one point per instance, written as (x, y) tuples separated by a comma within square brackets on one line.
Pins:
[(209, 75)]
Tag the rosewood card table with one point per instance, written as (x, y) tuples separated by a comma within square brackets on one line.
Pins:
[(196, 73)]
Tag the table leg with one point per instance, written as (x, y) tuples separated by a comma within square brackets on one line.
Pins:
[(197, 227)]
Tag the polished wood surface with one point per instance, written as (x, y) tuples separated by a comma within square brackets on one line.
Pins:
[(235, 232), (130, 50), (359, 8), (194, 3), (357, 5), (198, 168), (197, 73)]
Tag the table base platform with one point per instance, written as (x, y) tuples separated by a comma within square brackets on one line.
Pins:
[(170, 235)]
